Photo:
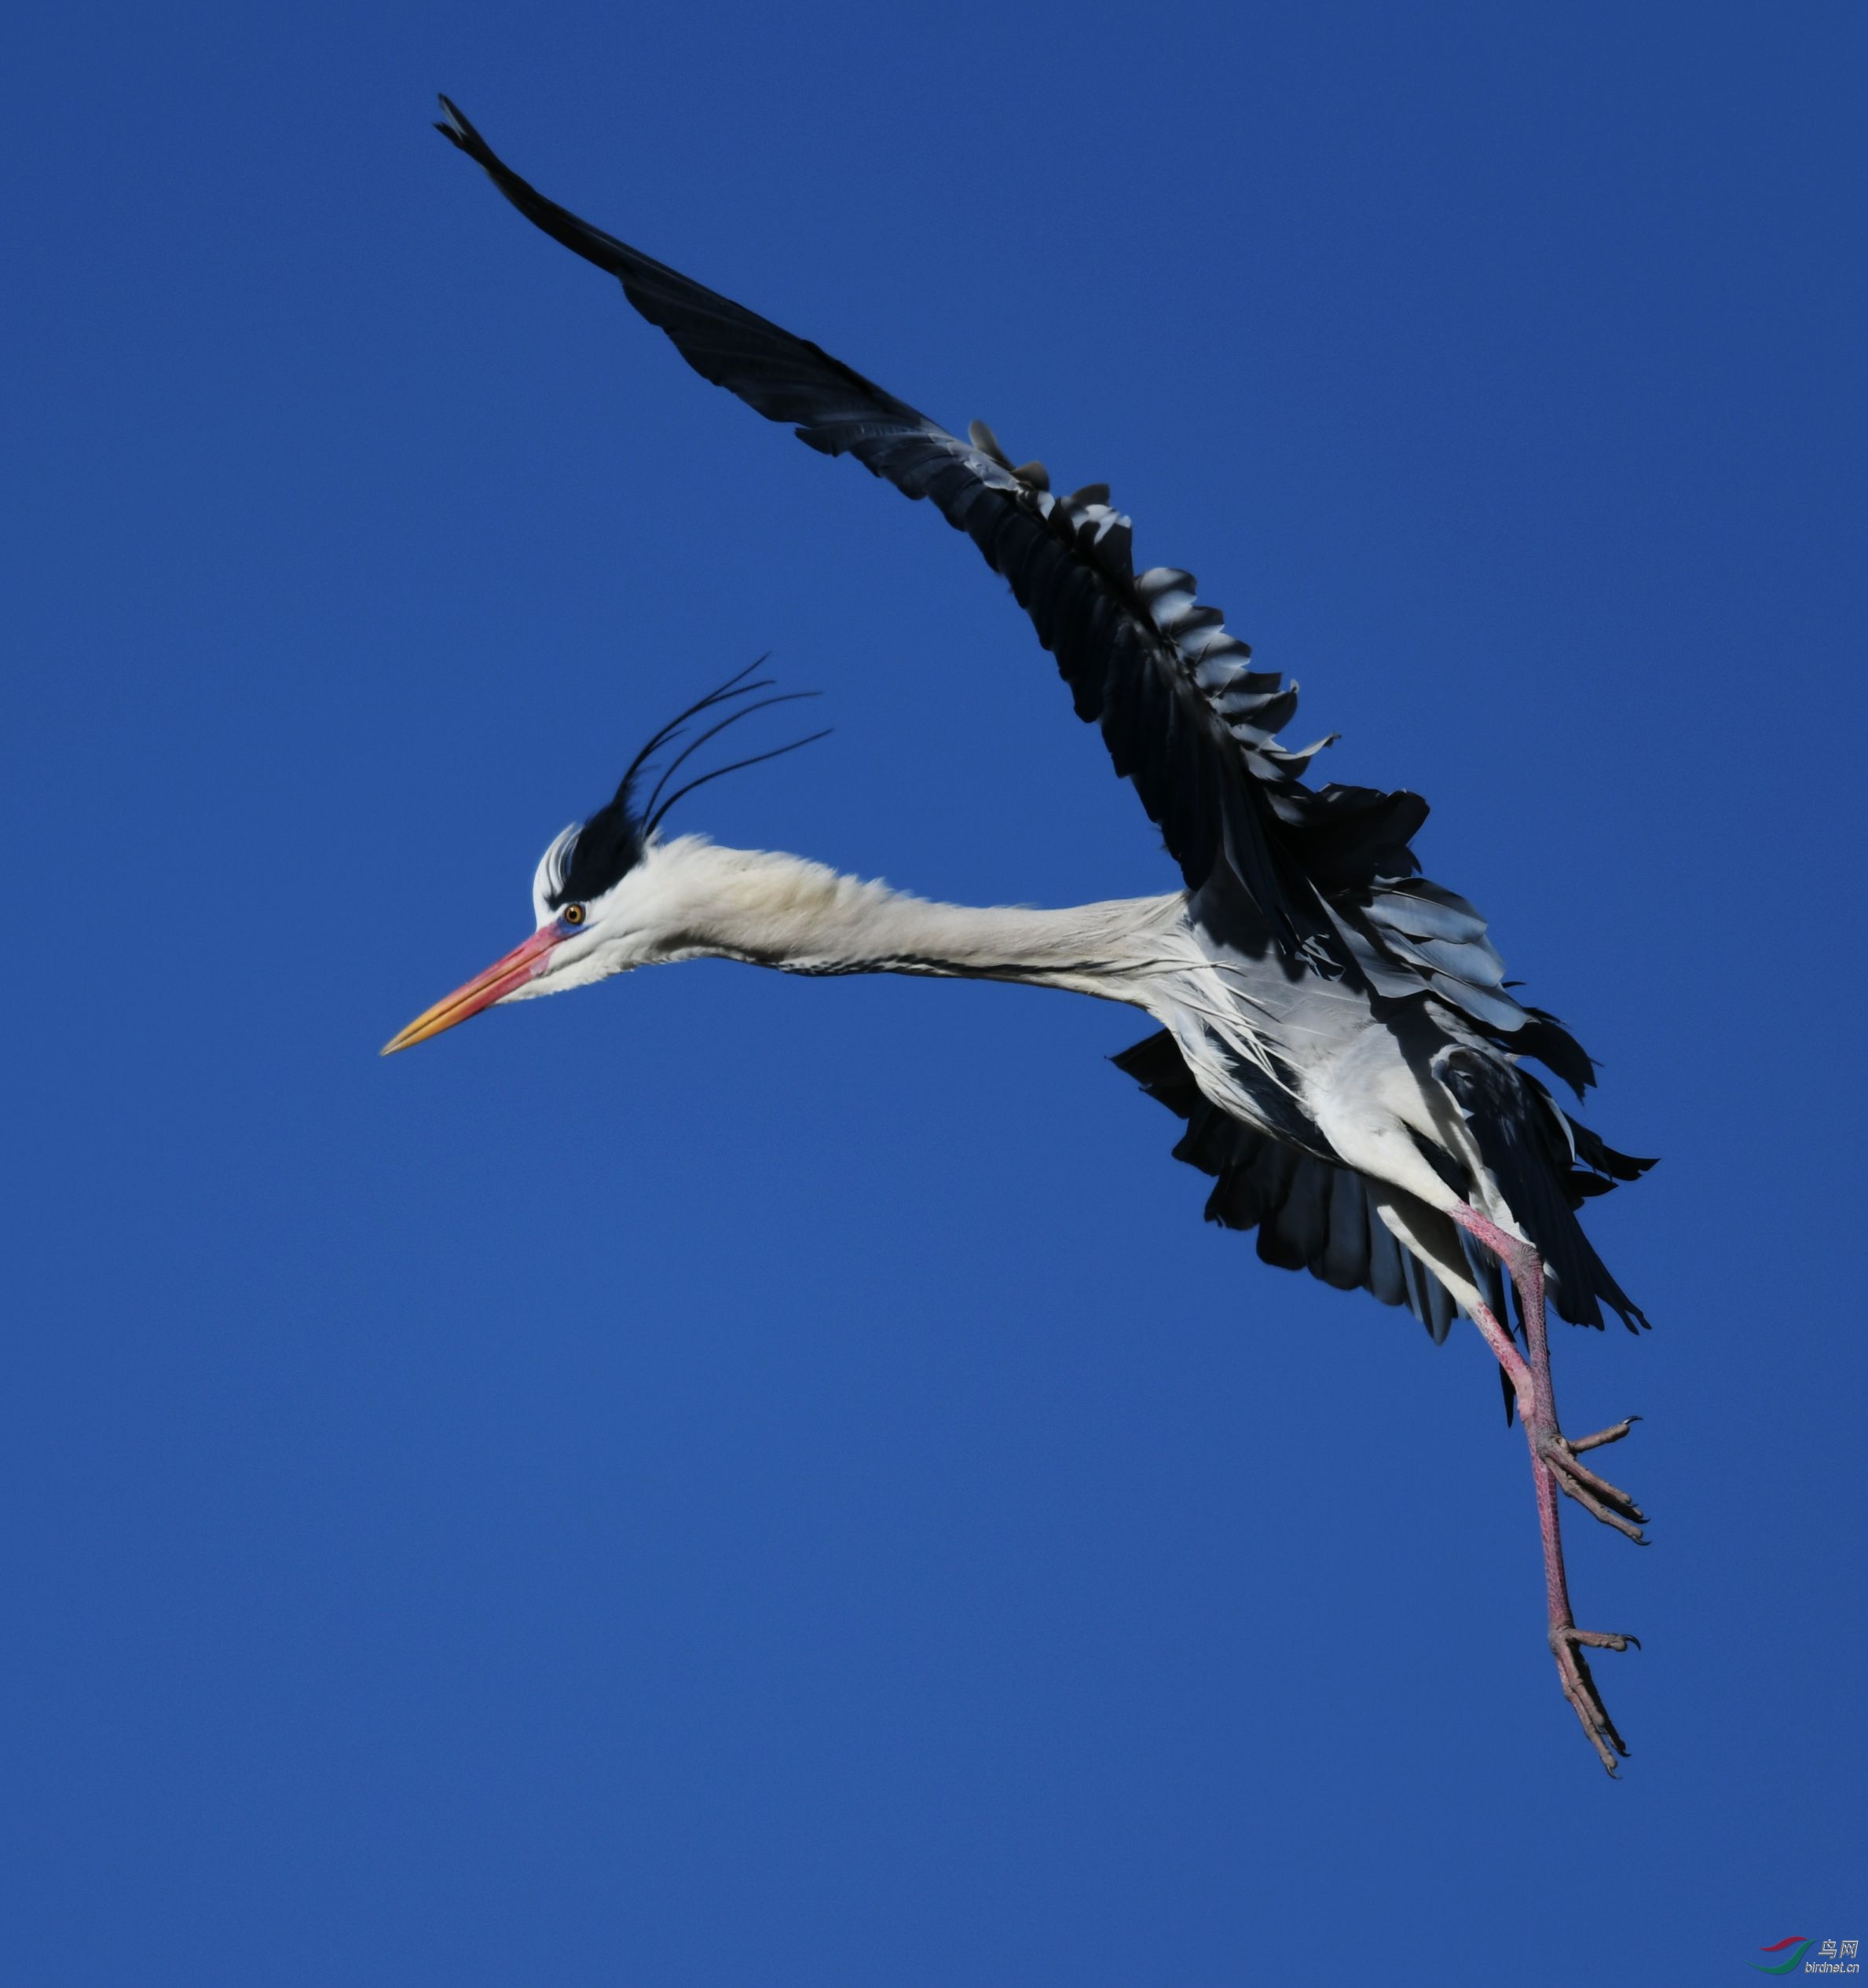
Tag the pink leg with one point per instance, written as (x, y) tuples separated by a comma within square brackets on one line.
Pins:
[(1554, 1467)]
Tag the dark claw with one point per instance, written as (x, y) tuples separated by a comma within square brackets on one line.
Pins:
[(1602, 1436), (1604, 1489), (1596, 1509), (1566, 1644), (1605, 1639), (1597, 1496)]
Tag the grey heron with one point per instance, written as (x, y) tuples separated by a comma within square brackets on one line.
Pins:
[(1335, 1029)]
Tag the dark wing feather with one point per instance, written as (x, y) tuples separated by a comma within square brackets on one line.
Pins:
[(1310, 1215), (1185, 717), (1526, 1142)]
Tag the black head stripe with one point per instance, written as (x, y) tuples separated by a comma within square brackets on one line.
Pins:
[(599, 854)]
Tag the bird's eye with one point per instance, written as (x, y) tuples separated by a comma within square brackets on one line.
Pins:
[(572, 915)]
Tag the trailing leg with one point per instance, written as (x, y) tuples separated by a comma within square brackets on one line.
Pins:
[(1567, 1642), (1539, 1408)]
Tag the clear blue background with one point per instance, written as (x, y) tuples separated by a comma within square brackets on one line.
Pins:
[(729, 1480)]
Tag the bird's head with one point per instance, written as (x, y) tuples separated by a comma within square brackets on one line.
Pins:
[(602, 896)]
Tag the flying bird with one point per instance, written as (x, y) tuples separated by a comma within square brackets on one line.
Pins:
[(1335, 1030)]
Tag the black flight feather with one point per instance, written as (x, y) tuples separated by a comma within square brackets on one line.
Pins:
[(1183, 716)]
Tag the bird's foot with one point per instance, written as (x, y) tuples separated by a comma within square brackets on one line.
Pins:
[(1567, 1643), (1596, 1496)]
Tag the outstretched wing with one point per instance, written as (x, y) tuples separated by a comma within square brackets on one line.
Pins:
[(1185, 718)]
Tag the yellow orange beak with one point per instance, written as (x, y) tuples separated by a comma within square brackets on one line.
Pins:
[(522, 963)]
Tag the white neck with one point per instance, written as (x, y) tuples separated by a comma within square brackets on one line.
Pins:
[(781, 911)]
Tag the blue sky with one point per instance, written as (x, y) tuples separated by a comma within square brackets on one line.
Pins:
[(724, 1479)]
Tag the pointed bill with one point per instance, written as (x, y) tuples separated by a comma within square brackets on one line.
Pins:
[(504, 976)]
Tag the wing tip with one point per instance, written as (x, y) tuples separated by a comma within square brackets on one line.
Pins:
[(455, 125)]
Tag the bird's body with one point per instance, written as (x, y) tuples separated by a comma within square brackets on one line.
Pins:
[(1335, 1030), (1310, 1067)]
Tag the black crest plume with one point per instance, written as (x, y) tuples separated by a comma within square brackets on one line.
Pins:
[(597, 854)]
